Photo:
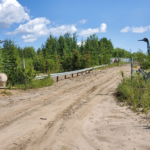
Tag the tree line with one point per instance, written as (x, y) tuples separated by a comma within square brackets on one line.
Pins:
[(58, 55)]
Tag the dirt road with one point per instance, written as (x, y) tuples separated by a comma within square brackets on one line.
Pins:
[(78, 113)]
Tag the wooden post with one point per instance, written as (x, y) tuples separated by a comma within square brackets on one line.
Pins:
[(23, 64), (72, 75), (57, 78), (82, 73), (77, 74), (65, 76), (24, 69)]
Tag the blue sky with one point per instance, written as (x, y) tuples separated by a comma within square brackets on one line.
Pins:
[(30, 22)]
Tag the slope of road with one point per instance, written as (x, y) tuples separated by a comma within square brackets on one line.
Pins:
[(78, 113)]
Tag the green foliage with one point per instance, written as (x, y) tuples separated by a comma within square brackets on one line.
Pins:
[(36, 84), (139, 57), (12, 67), (146, 62), (121, 62), (142, 59), (122, 73), (118, 52), (26, 52), (56, 54), (135, 93), (63, 54)]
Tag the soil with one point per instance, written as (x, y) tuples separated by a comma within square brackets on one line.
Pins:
[(79, 113)]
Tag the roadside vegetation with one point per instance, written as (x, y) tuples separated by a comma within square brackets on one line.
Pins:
[(35, 84), (55, 55), (136, 92)]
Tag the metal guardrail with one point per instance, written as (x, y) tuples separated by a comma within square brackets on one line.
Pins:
[(68, 73)]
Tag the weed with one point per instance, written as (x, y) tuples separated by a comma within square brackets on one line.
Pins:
[(135, 93), (36, 84), (122, 73)]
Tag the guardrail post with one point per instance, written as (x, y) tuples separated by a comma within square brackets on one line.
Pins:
[(57, 78)]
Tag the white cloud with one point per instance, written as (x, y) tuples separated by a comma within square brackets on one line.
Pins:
[(39, 27), (90, 31), (136, 29), (12, 12), (83, 21), (60, 30), (140, 29), (26, 9), (34, 28), (126, 29), (103, 27), (29, 38)]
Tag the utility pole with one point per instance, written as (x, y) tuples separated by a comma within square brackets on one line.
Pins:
[(131, 65), (118, 58)]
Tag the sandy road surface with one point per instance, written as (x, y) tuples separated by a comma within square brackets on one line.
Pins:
[(73, 114)]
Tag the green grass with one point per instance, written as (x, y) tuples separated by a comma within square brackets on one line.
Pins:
[(135, 93), (35, 84)]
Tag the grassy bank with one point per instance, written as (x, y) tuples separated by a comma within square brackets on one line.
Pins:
[(35, 84), (135, 93)]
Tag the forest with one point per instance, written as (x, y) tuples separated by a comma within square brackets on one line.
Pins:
[(56, 55)]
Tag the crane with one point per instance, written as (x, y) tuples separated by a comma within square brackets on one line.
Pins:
[(148, 46)]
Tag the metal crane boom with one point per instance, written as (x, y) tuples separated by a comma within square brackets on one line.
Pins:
[(148, 46)]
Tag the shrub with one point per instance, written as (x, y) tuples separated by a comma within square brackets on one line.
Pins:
[(135, 92)]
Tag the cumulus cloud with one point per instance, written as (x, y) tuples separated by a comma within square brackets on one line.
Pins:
[(12, 12), (32, 29), (39, 27), (83, 21), (136, 29), (90, 31), (103, 27), (126, 29), (29, 38), (60, 30), (140, 29)]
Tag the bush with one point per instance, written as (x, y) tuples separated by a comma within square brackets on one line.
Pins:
[(135, 93), (36, 83)]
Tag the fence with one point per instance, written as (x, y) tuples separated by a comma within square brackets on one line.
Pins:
[(68, 73), (112, 60)]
